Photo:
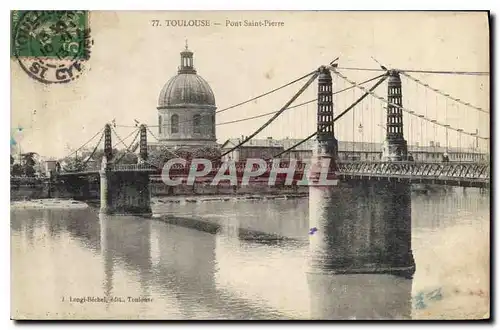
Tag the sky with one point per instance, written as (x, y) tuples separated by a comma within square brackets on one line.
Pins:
[(131, 60)]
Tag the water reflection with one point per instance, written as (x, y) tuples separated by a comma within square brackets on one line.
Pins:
[(359, 297), (182, 266), (230, 270)]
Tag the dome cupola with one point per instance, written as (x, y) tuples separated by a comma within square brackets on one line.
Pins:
[(186, 108), (187, 87)]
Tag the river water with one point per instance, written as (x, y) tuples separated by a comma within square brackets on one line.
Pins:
[(178, 269)]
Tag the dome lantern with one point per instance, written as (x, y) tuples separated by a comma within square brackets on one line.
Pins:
[(187, 61)]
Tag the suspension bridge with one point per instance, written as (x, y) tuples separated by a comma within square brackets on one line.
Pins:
[(362, 225), (408, 122)]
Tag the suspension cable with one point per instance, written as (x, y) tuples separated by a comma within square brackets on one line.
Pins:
[(407, 110), (172, 152), (130, 134), (444, 94), (272, 91), (294, 106), (83, 146), (93, 151), (119, 137), (127, 150), (276, 115), (470, 73), (382, 77), (264, 114), (150, 132)]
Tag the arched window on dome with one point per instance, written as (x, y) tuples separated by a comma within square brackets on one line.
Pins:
[(197, 123), (159, 124), (174, 124)]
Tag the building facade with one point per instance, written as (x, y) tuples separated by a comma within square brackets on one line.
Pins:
[(186, 108), (255, 148)]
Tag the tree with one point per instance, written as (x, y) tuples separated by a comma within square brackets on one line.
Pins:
[(28, 163), (74, 164), (11, 160), (210, 153), (126, 157), (16, 170), (160, 156), (88, 160)]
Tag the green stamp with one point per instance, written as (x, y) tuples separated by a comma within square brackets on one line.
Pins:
[(51, 46)]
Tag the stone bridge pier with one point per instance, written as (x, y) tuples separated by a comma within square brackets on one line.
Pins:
[(360, 239), (124, 191), (361, 228)]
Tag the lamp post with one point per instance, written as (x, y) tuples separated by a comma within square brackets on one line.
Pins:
[(421, 129), (475, 145), (411, 112), (459, 142), (435, 132), (446, 126), (360, 130)]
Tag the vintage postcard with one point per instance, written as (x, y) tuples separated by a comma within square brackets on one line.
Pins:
[(250, 165)]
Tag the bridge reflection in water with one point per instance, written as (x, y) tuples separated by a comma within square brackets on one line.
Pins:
[(228, 273), (361, 261)]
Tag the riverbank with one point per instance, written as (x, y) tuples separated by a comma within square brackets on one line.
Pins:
[(223, 198), (48, 203), (32, 193)]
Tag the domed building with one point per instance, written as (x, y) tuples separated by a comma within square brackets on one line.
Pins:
[(186, 108)]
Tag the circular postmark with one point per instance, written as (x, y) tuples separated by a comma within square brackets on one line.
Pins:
[(51, 46)]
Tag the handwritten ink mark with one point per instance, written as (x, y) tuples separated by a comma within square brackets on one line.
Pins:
[(421, 298), (435, 295), (313, 230), (419, 301)]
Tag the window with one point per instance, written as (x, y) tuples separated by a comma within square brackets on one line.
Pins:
[(196, 123), (159, 124), (174, 124), (208, 125)]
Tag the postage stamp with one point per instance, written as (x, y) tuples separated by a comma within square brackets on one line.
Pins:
[(51, 46)]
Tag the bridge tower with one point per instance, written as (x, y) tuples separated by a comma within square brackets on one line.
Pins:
[(360, 229), (124, 190), (108, 148), (395, 147), (327, 144), (143, 145)]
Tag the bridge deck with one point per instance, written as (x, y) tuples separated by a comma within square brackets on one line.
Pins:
[(468, 174)]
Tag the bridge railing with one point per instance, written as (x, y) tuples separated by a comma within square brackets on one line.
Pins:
[(472, 170), (113, 167), (25, 179), (132, 167), (408, 169)]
